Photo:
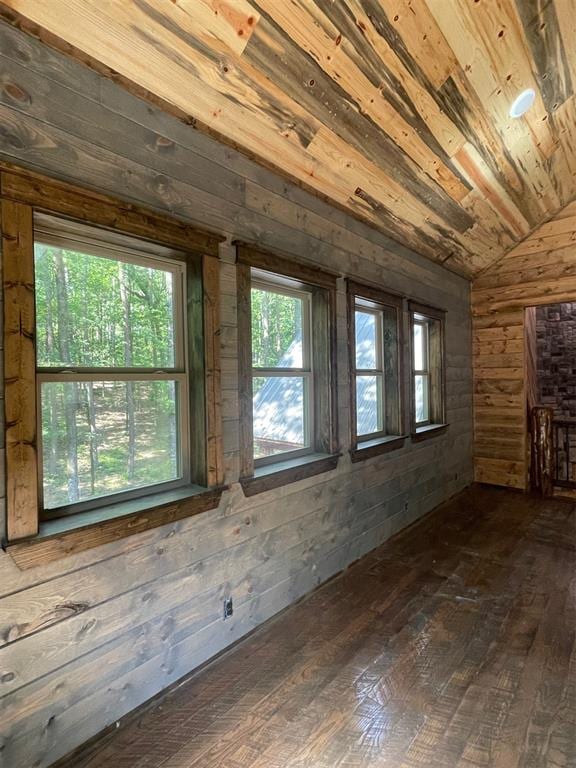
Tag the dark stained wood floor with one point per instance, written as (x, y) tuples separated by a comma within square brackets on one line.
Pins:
[(450, 646)]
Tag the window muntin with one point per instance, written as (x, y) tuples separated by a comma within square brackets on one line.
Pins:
[(421, 370), (112, 386), (282, 372)]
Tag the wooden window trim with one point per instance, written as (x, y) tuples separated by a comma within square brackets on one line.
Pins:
[(21, 194), (367, 449), (284, 473), (323, 323), (437, 424), (86, 530)]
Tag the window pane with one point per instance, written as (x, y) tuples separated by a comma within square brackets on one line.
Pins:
[(97, 312), (279, 406), (421, 398), (277, 321), (369, 405), (366, 340), (103, 437), (419, 347)]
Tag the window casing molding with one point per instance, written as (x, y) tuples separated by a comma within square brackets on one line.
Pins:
[(23, 196), (432, 322), (387, 310), (320, 286)]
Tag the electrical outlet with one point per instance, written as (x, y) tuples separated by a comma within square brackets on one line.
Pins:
[(228, 608)]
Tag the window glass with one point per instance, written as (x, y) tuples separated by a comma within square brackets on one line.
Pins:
[(105, 437), (112, 385), (277, 325), (419, 347), (98, 312), (281, 371), (368, 405), (280, 404), (421, 399), (366, 340)]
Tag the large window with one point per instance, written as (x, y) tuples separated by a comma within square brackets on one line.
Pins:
[(375, 363), (111, 369), (427, 346), (287, 377)]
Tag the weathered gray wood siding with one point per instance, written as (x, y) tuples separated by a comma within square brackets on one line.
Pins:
[(88, 638)]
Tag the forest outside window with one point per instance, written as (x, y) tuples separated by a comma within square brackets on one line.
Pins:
[(427, 345), (111, 370), (287, 377), (375, 365)]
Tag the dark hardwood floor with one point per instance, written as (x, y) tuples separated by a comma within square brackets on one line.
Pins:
[(450, 646)]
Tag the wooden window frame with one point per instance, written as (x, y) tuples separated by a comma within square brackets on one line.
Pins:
[(322, 287), (435, 321), (22, 194), (391, 437)]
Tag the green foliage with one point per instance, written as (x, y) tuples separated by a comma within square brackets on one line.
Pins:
[(95, 331), (276, 324), (103, 437)]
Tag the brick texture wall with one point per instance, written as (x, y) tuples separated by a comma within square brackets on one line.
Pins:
[(556, 377), (556, 357)]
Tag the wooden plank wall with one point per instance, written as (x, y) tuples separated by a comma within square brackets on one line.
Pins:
[(87, 638), (541, 270)]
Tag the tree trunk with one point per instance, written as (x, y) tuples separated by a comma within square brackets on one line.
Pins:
[(52, 464), (89, 391), (130, 422), (70, 390)]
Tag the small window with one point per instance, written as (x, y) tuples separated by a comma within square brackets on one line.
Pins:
[(287, 378), (427, 343), (112, 382), (374, 319), (282, 372)]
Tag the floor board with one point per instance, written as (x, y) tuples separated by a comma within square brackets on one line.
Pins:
[(451, 646)]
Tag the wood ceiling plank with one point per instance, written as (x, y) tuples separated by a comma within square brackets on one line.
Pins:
[(315, 34), (480, 176), (491, 49), (398, 75), (409, 24), (384, 197), (566, 14)]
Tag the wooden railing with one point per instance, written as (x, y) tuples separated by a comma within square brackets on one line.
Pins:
[(541, 450), (564, 442)]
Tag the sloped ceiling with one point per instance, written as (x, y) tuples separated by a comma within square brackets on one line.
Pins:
[(396, 110)]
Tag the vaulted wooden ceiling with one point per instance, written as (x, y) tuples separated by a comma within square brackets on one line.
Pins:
[(396, 110)]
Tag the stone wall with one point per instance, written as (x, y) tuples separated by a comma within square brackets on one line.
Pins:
[(556, 358)]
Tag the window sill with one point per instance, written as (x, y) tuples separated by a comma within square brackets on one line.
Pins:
[(285, 472), (68, 535), (370, 448), (430, 430)]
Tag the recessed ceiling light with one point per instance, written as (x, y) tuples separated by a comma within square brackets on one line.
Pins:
[(522, 103)]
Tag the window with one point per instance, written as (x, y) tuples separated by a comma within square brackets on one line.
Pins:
[(111, 368), (287, 382), (111, 371), (375, 365), (282, 373), (427, 344)]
